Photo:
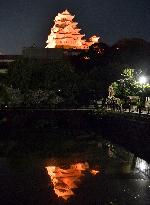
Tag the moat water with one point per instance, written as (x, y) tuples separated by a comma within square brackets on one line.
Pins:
[(100, 173)]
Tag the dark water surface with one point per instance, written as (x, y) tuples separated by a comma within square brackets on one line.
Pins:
[(100, 173)]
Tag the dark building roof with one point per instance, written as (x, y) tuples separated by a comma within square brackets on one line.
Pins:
[(43, 53), (49, 53), (8, 58), (5, 60)]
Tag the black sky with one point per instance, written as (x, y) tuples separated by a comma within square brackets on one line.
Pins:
[(24, 22)]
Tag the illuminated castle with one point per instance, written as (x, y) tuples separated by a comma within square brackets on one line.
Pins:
[(65, 34)]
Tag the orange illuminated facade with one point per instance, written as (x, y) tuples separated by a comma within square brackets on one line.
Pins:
[(66, 34), (66, 180)]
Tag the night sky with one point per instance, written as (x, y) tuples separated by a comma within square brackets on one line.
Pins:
[(25, 22)]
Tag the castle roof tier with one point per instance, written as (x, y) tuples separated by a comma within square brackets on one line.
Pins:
[(64, 15)]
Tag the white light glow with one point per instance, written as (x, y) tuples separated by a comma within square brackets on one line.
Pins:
[(142, 164), (142, 80)]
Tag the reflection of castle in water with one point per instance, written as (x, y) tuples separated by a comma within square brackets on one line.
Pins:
[(65, 180)]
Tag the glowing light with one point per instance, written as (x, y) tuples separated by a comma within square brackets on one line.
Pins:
[(142, 80), (65, 180), (142, 165), (94, 39), (94, 172), (86, 58)]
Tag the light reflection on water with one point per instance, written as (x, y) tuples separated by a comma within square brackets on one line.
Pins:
[(65, 180), (102, 174), (143, 166), (113, 161)]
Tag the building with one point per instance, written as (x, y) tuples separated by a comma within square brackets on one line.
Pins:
[(66, 34), (5, 61), (64, 40), (43, 53)]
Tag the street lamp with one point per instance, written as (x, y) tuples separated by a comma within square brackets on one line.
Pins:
[(143, 80)]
